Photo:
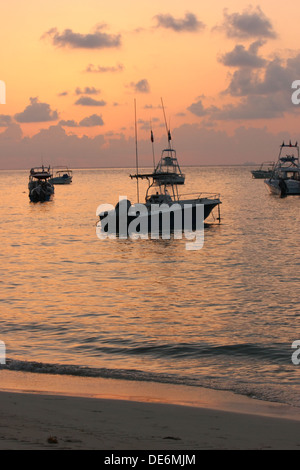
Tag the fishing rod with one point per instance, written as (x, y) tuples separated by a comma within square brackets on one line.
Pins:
[(168, 130), (136, 155)]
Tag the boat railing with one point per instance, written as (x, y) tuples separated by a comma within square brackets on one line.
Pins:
[(199, 196)]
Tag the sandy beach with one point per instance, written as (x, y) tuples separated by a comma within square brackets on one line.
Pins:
[(36, 419)]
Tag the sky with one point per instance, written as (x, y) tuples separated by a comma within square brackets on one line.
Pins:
[(73, 70)]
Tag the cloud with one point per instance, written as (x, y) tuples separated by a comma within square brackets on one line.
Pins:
[(63, 93), (189, 23), (198, 109), (217, 147), (147, 125), (276, 77), (242, 57), (253, 107), (251, 23), (5, 120), (87, 101), (141, 86), (91, 121), (87, 91), (95, 40), (243, 82), (36, 112), (100, 69), (250, 107), (68, 123), (263, 92)]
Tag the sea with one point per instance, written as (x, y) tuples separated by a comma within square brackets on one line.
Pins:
[(224, 317)]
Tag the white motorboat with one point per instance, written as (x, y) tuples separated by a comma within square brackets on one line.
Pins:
[(285, 179), (62, 175), (40, 189)]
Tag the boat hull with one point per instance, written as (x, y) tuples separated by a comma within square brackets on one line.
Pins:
[(177, 212), (61, 180), (283, 187), (261, 175), (40, 193)]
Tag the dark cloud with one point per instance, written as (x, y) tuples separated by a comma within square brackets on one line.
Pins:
[(68, 123), (253, 107), (243, 82), (100, 69), (242, 57), (251, 23), (95, 40), (198, 109), (87, 91), (5, 120), (262, 94), (36, 112), (189, 23), (141, 86), (63, 93), (88, 101), (92, 121), (250, 106), (276, 77)]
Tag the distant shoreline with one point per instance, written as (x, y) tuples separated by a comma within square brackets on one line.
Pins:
[(144, 167)]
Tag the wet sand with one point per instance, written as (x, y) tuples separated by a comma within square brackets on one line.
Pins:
[(78, 413)]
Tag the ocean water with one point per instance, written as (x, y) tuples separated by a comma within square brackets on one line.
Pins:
[(223, 317)]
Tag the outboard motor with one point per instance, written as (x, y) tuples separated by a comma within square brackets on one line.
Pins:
[(283, 188)]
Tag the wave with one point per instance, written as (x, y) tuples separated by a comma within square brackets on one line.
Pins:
[(83, 371), (255, 391)]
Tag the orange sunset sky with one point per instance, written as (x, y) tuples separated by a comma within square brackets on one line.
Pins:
[(73, 69)]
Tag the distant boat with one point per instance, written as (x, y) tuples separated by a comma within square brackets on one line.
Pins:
[(264, 171), (40, 189), (285, 180), (62, 176)]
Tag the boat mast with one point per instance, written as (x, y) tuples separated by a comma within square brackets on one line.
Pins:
[(136, 155)]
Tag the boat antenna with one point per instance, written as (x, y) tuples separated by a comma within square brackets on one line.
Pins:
[(136, 155), (168, 130), (152, 140)]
